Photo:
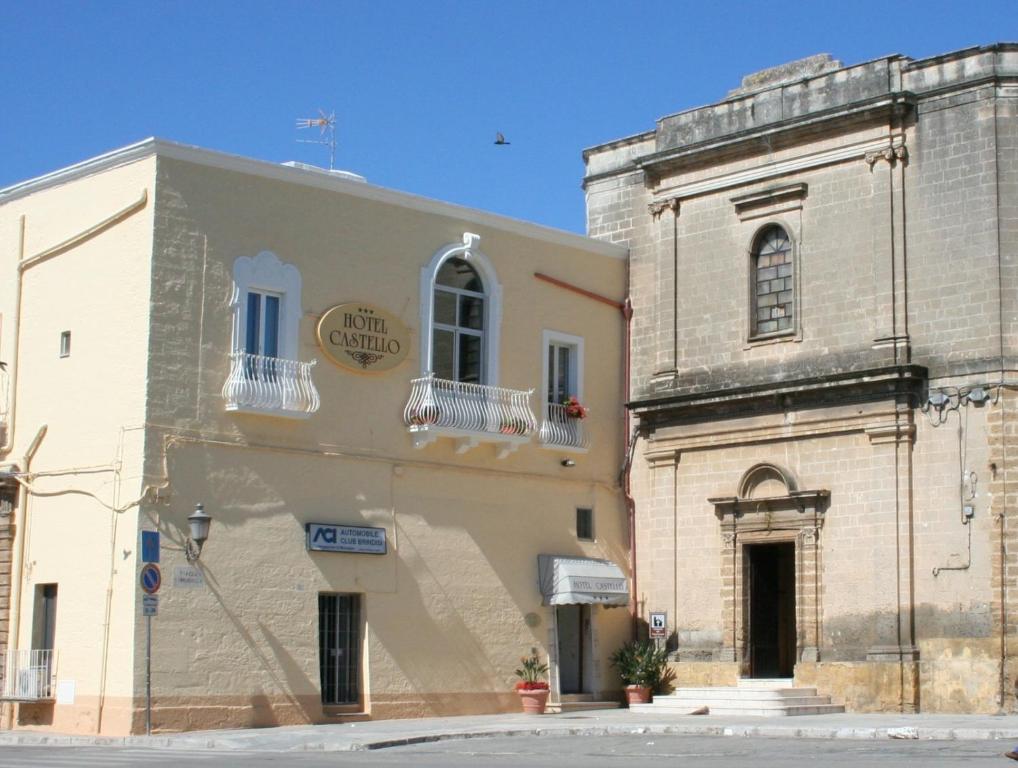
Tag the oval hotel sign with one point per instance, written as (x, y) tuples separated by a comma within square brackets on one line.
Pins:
[(363, 337)]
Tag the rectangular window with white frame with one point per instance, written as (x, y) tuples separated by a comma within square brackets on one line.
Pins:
[(262, 332), (563, 408)]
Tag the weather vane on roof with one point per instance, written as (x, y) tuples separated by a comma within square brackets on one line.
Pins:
[(326, 124)]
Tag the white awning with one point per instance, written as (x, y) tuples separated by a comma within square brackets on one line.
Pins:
[(581, 581)]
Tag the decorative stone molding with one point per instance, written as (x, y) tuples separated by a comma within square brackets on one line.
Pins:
[(809, 536), (661, 457), (658, 207), (768, 202), (768, 509), (894, 432), (891, 154)]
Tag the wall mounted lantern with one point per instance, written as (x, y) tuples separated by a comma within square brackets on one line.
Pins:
[(199, 523)]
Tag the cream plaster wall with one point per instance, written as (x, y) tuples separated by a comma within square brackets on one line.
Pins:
[(93, 406), (443, 611), (138, 406)]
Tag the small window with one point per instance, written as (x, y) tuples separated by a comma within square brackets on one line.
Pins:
[(262, 332), (266, 309), (561, 372), (773, 306), (563, 366), (65, 344), (585, 524), (44, 623)]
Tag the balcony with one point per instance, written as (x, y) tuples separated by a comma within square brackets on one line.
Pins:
[(270, 385), (469, 414), (560, 430), (28, 676)]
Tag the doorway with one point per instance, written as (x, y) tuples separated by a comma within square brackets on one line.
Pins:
[(771, 610), (574, 648), (339, 648)]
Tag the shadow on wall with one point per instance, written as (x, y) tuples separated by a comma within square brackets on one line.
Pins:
[(291, 679), (467, 578)]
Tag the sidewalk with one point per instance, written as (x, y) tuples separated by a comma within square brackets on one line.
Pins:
[(380, 734)]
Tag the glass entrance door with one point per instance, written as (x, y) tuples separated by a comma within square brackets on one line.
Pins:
[(339, 648)]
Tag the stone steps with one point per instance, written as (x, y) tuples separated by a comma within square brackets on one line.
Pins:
[(579, 702), (762, 698)]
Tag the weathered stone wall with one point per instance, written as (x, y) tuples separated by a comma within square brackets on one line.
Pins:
[(903, 216)]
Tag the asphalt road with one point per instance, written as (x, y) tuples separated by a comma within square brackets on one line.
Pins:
[(551, 752)]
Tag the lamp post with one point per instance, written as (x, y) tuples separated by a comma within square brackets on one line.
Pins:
[(199, 523)]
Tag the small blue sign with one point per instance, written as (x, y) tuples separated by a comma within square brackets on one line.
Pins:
[(354, 539), (150, 546), (151, 578)]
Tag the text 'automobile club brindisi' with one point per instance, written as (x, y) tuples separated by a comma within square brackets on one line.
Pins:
[(363, 337)]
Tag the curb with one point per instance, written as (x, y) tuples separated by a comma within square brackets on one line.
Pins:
[(348, 744)]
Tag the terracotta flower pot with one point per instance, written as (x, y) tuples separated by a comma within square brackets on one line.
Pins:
[(534, 701), (637, 694)]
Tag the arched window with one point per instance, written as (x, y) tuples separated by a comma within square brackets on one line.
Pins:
[(460, 314), (457, 333), (773, 307)]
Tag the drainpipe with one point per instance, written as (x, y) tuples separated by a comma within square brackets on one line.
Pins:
[(630, 445), (18, 561), (12, 364)]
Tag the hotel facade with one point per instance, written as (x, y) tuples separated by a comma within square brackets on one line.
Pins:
[(366, 391)]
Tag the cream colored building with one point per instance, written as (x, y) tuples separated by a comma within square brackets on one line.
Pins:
[(825, 367), (324, 365)]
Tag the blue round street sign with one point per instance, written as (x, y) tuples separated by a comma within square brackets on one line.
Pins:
[(151, 578)]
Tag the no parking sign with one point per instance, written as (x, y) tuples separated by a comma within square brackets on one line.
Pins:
[(151, 578)]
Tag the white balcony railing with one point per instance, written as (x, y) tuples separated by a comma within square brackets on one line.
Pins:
[(471, 412), (561, 430), (27, 675), (260, 384)]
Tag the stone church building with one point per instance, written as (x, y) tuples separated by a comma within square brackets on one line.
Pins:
[(824, 377)]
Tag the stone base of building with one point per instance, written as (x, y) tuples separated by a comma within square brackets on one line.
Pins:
[(940, 676), (122, 717)]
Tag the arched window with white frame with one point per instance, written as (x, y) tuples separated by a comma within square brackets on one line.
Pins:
[(460, 315)]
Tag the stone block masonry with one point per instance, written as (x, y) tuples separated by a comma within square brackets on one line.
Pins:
[(883, 402)]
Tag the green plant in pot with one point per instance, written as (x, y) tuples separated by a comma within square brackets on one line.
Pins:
[(641, 665), (532, 687)]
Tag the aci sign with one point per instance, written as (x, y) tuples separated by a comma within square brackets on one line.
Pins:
[(345, 538)]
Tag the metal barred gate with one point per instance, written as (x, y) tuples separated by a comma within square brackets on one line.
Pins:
[(339, 648)]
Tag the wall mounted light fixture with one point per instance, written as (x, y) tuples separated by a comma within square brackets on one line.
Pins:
[(199, 523)]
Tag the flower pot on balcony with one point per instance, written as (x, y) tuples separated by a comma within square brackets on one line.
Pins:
[(637, 694), (534, 700)]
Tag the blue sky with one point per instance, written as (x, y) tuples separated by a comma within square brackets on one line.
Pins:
[(420, 88)]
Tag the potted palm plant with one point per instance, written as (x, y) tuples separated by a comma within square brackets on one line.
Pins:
[(641, 665), (532, 688)]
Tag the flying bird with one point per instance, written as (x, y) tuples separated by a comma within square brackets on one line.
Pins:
[(500, 139)]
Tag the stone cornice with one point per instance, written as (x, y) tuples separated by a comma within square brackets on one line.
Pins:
[(874, 109), (782, 168), (883, 383)]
